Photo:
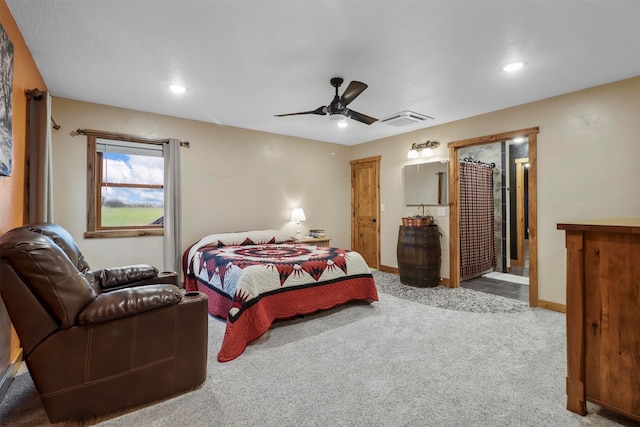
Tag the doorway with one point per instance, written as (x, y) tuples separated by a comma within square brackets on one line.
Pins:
[(499, 214), (365, 209), (454, 211)]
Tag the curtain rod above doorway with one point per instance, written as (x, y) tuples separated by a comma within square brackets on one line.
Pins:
[(477, 162)]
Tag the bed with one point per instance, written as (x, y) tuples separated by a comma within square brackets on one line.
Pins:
[(256, 277)]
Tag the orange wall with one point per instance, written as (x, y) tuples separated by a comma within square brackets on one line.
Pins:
[(25, 76)]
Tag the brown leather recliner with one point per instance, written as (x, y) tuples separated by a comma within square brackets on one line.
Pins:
[(96, 342)]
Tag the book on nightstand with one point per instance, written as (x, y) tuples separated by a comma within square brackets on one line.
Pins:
[(315, 233)]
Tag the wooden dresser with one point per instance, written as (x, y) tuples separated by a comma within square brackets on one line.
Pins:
[(603, 315)]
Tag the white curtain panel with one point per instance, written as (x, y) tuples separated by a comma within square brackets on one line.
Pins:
[(172, 216), (40, 160)]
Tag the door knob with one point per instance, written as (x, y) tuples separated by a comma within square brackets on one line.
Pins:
[(373, 220)]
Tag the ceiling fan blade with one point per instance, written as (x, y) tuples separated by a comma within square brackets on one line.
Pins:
[(360, 117), (320, 111), (354, 89)]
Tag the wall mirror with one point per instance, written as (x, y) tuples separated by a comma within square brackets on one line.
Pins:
[(426, 184)]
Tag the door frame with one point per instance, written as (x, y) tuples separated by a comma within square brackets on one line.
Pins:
[(376, 160), (454, 204)]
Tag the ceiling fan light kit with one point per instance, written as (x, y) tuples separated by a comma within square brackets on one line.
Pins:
[(337, 109)]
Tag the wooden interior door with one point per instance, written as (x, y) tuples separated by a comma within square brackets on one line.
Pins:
[(521, 213), (365, 209)]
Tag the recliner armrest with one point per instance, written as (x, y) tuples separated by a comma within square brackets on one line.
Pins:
[(129, 302), (109, 278)]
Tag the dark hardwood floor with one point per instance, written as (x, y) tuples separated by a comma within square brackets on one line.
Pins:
[(498, 287), (503, 287)]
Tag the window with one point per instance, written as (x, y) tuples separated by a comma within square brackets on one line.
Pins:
[(125, 185)]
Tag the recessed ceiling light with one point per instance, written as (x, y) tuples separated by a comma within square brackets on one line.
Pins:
[(514, 66), (343, 124), (177, 88)]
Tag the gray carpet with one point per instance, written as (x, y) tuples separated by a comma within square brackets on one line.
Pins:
[(460, 299), (392, 363)]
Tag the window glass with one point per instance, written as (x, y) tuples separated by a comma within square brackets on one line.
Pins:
[(131, 190)]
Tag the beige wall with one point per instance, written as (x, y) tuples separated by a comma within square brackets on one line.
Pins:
[(588, 162), (232, 179)]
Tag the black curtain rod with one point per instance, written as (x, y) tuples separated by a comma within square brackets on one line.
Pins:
[(124, 137)]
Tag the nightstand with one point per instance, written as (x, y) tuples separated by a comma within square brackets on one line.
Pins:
[(319, 241)]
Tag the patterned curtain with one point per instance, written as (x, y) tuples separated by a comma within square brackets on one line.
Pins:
[(477, 235)]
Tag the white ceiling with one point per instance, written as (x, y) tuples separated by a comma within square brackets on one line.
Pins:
[(242, 61)]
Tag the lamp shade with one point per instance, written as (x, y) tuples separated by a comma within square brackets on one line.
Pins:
[(427, 152), (297, 215), (413, 154)]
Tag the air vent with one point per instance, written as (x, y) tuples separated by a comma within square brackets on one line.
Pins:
[(405, 118)]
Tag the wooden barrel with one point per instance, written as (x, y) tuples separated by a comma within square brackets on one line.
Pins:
[(419, 255)]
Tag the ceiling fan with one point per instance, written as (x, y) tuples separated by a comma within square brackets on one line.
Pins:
[(338, 107)]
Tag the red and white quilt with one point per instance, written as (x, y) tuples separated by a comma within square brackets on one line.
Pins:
[(254, 281)]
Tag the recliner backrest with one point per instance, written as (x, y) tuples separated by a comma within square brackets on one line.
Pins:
[(34, 260), (62, 238)]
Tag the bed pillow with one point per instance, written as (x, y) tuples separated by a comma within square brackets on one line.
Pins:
[(252, 237)]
